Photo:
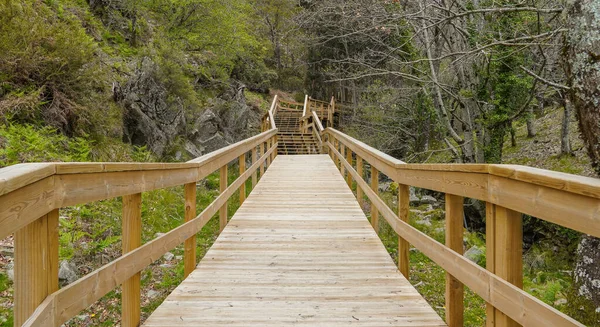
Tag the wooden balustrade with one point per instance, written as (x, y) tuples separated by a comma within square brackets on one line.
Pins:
[(568, 200), (31, 194)]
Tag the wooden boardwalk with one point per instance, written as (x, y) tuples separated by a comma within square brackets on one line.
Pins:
[(299, 251)]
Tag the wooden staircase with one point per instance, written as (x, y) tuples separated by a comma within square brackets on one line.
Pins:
[(297, 143), (290, 137)]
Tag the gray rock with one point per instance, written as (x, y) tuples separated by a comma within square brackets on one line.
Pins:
[(178, 257), (152, 294), (10, 271), (157, 235), (168, 256), (7, 251), (560, 302), (151, 116), (428, 199), (67, 272), (423, 222), (475, 254), (414, 200)]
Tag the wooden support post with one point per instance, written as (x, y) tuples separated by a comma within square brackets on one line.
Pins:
[(222, 188), (403, 246), (336, 145), (254, 174), (274, 153), (342, 155), (504, 254), (375, 188), (131, 240), (359, 191), (36, 265), (262, 165), (349, 160), (454, 241), (189, 258), (242, 164), (267, 150)]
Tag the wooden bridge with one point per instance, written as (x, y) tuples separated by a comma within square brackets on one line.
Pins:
[(299, 250)]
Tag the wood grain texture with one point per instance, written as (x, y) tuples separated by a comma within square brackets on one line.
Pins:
[(299, 251), (454, 241), (131, 240), (403, 214), (254, 173), (504, 296), (359, 192), (242, 169), (506, 255), (189, 257), (222, 188), (375, 188), (70, 300), (349, 159), (36, 265)]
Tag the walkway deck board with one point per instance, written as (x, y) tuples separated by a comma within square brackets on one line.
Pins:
[(299, 251)]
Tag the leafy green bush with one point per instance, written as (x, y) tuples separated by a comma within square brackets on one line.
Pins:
[(25, 143)]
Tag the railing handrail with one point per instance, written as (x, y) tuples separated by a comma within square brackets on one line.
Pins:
[(509, 189), (32, 192)]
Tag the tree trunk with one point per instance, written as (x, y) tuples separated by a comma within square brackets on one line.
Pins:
[(513, 136), (583, 73), (531, 132), (565, 144), (582, 58)]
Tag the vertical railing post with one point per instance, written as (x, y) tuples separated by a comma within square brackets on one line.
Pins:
[(274, 153), (342, 155), (359, 191), (375, 188), (504, 254), (222, 188), (254, 174), (336, 146), (131, 240), (36, 265), (189, 258), (268, 147), (454, 241), (403, 245), (242, 164), (262, 153), (349, 160)]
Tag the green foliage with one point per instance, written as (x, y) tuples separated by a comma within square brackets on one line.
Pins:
[(26, 143)]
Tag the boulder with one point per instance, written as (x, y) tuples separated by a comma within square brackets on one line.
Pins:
[(152, 117), (168, 256), (67, 272), (428, 199), (414, 200)]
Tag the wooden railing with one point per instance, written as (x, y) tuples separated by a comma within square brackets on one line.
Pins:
[(509, 190), (32, 194), (324, 110), (268, 119)]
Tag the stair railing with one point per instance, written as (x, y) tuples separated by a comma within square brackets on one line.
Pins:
[(31, 196), (268, 119), (508, 190)]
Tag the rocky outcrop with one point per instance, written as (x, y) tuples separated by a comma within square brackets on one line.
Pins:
[(154, 117), (151, 116), (227, 120)]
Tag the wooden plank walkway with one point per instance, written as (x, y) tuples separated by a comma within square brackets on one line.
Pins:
[(299, 251)]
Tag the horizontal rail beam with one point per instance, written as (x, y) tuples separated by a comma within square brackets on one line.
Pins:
[(567, 200), (514, 302), (66, 184), (70, 300)]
